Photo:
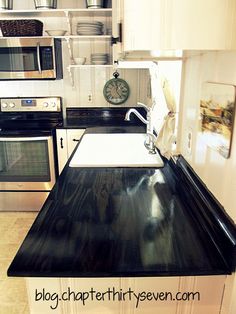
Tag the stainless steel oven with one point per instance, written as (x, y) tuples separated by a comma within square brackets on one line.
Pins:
[(30, 58), (27, 152)]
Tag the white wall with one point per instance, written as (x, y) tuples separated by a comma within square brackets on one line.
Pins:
[(218, 173)]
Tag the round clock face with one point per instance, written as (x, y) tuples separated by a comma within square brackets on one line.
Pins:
[(116, 91)]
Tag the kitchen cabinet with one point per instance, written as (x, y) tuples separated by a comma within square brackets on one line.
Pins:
[(168, 24), (67, 139), (62, 153), (66, 17), (198, 294)]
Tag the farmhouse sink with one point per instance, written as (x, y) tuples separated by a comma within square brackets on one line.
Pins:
[(114, 150)]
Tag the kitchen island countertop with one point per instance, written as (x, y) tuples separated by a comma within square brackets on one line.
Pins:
[(111, 222)]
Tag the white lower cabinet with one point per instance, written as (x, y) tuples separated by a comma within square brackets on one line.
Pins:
[(144, 295), (67, 139)]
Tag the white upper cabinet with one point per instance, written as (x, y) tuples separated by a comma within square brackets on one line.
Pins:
[(179, 24)]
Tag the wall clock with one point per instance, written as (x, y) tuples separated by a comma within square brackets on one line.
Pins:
[(116, 91)]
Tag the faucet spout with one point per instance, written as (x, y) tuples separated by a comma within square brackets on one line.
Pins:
[(150, 140), (134, 111)]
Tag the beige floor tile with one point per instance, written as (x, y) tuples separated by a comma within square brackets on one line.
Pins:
[(26, 214), (24, 222), (26, 310), (8, 250), (13, 309), (13, 228), (13, 290), (14, 235), (4, 264), (6, 222)]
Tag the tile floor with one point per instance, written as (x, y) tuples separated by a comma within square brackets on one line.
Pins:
[(13, 229)]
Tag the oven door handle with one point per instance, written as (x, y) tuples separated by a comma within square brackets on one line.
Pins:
[(38, 57), (24, 139)]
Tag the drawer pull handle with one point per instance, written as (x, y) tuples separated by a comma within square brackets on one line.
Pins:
[(75, 140), (61, 142)]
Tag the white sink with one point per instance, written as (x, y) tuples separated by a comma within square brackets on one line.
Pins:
[(114, 150)]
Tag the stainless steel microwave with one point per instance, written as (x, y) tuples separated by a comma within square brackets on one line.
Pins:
[(30, 59)]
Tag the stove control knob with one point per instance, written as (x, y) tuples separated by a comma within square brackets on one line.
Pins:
[(4, 105), (45, 104), (54, 104), (12, 105)]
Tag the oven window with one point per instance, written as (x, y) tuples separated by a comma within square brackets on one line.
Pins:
[(24, 161), (24, 59)]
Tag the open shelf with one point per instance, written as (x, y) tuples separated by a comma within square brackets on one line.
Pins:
[(73, 37), (95, 37), (56, 12), (67, 19), (75, 66)]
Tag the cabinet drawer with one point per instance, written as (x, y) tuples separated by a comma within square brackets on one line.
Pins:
[(73, 137), (61, 148)]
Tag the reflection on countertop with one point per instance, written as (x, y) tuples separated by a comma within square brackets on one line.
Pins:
[(117, 222)]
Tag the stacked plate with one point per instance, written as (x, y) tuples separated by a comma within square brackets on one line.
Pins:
[(90, 28), (99, 58)]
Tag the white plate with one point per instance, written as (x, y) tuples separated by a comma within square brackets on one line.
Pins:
[(89, 23), (89, 26), (99, 54), (87, 29), (99, 62), (89, 33), (99, 57)]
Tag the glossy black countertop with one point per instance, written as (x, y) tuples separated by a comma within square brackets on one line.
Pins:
[(110, 222), (82, 118)]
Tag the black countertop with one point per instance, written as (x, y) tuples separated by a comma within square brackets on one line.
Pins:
[(82, 118), (109, 222)]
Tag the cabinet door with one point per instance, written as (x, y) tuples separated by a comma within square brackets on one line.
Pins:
[(61, 148), (201, 24), (73, 137), (183, 24), (77, 297), (142, 24), (117, 16), (145, 289), (189, 294)]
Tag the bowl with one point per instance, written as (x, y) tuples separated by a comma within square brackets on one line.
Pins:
[(80, 60), (56, 32)]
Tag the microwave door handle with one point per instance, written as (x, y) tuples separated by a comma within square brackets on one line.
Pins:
[(38, 58)]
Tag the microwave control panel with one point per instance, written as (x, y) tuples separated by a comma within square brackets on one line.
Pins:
[(42, 104)]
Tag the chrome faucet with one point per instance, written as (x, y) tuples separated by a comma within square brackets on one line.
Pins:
[(150, 140)]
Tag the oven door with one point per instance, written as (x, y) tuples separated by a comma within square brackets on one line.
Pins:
[(27, 163)]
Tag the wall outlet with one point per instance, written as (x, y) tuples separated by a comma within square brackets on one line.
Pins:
[(90, 97)]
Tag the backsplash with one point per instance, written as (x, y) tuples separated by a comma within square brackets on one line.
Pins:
[(216, 171)]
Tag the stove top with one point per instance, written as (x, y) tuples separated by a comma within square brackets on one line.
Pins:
[(30, 113)]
